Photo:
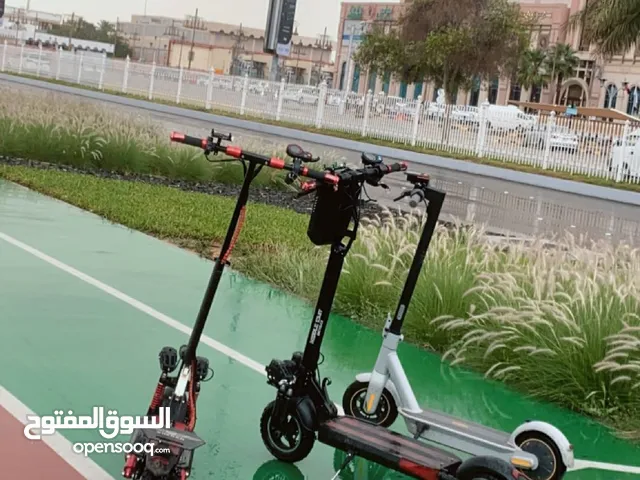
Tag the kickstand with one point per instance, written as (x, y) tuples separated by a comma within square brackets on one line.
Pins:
[(349, 459)]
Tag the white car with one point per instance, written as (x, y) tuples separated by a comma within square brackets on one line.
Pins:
[(627, 158), (299, 96), (561, 138)]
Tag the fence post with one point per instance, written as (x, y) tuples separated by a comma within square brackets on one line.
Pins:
[(152, 79), (482, 129), (179, 84), (80, 65), (322, 99), (551, 124), (125, 78), (623, 149), (59, 63), (416, 120), (368, 99), (209, 89), (280, 94), (4, 56), (21, 56), (39, 60), (104, 67), (243, 98)]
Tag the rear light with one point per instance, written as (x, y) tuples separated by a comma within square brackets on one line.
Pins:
[(418, 470)]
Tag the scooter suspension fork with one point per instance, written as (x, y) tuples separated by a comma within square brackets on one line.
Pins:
[(377, 382)]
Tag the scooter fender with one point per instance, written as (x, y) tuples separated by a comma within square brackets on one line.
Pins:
[(366, 377), (562, 442), (306, 413)]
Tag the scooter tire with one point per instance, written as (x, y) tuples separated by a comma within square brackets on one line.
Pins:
[(555, 468), (301, 450), (350, 405)]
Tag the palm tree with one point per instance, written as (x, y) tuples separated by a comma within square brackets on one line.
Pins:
[(611, 26), (562, 62), (532, 70)]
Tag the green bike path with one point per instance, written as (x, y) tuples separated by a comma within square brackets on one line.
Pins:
[(71, 344)]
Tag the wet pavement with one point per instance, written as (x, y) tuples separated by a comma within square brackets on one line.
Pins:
[(86, 305)]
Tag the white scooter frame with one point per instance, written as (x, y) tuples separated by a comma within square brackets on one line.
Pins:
[(389, 381)]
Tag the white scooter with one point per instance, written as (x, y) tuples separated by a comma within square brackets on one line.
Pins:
[(538, 449)]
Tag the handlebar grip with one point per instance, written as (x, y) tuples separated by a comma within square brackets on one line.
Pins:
[(397, 167), (323, 177), (417, 196), (188, 140)]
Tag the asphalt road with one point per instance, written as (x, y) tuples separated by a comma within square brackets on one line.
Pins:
[(503, 207)]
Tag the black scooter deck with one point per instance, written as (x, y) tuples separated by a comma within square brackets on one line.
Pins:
[(387, 448)]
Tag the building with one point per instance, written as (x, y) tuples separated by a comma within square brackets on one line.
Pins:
[(614, 84), (230, 49), (26, 16)]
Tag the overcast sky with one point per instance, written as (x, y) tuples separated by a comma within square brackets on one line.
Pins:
[(312, 15)]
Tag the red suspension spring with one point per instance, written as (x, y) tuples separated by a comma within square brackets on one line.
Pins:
[(236, 234), (157, 396)]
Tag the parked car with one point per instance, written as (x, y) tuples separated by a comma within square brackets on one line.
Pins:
[(508, 117), (626, 158), (300, 96), (560, 138), (466, 114)]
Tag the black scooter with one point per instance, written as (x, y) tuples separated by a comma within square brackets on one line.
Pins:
[(172, 458), (303, 409)]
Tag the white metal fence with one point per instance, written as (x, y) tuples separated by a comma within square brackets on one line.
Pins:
[(586, 147)]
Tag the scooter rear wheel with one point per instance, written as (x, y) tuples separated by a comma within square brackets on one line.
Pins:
[(550, 464), (299, 441), (353, 405)]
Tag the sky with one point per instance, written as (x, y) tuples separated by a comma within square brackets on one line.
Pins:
[(312, 15)]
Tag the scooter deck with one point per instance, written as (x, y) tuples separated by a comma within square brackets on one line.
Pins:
[(454, 426), (398, 452)]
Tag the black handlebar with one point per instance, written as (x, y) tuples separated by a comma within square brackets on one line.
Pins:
[(372, 172), (211, 146)]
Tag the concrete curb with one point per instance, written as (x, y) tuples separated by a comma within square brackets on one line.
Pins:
[(535, 180)]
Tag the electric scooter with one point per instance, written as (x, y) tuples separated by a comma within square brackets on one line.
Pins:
[(302, 408), (536, 448), (172, 457)]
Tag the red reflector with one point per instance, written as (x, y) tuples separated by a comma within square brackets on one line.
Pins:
[(235, 152), (275, 162), (176, 137), (419, 471)]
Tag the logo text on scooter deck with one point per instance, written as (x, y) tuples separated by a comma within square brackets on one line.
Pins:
[(316, 326)]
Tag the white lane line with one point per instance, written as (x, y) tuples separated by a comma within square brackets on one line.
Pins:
[(225, 350), (612, 467), (63, 447), (229, 352)]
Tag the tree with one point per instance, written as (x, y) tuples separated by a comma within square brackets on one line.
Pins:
[(611, 26), (562, 62), (103, 32), (532, 70), (449, 42)]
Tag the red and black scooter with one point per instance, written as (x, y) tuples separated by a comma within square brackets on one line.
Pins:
[(174, 446)]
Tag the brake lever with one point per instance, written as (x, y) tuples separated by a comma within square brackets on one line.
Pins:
[(406, 193)]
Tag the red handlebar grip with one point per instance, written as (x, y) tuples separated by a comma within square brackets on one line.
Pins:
[(188, 140), (397, 167)]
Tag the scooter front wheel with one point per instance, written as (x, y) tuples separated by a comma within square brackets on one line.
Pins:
[(353, 402), (550, 464), (288, 441)]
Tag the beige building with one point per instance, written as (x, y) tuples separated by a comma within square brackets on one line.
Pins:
[(228, 49), (614, 84)]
